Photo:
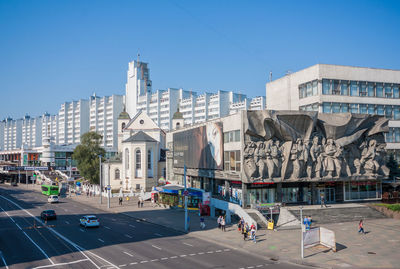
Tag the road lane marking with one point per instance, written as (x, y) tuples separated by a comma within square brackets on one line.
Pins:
[(81, 230), (226, 249), (182, 255), (107, 227), (250, 267), (260, 265), (101, 240), (133, 263), (4, 261), (132, 226), (128, 254), (173, 257), (188, 244), (81, 250), (144, 261), (200, 253), (192, 254), (218, 250), (156, 247), (67, 222), (127, 235), (164, 259), (122, 265), (60, 264), (155, 260), (158, 234), (209, 252), (33, 242)]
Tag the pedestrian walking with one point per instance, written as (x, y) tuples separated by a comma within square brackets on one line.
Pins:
[(323, 201), (223, 224), (127, 199), (202, 224), (219, 222), (120, 200), (361, 227), (245, 231), (306, 223), (239, 225), (141, 202), (138, 203), (253, 233)]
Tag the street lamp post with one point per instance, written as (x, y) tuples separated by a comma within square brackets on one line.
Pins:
[(301, 232), (101, 187), (186, 198), (108, 191)]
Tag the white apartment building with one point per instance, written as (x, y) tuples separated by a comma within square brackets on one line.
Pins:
[(50, 127), (162, 104), (338, 89), (104, 113), (31, 132), (73, 120), (2, 124), (12, 134)]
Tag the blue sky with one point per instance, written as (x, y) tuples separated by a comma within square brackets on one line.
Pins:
[(57, 51)]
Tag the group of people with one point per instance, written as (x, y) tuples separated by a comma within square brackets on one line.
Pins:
[(221, 223), (307, 221), (247, 230)]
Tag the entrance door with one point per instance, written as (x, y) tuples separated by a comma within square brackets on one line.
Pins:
[(330, 195)]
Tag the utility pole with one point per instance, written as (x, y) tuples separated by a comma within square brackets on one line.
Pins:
[(108, 191), (101, 187), (186, 198), (301, 232)]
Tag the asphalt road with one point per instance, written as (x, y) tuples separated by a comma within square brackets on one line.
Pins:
[(120, 241)]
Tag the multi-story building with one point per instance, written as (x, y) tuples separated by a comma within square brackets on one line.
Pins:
[(73, 119), (31, 132), (12, 134), (2, 124), (104, 113), (50, 127), (338, 89), (162, 104)]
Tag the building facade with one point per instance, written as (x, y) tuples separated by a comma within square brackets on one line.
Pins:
[(73, 121), (31, 132), (340, 89), (160, 105)]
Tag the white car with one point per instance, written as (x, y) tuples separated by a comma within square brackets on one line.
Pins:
[(52, 199), (89, 221)]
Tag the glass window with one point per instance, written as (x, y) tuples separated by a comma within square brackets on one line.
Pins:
[(237, 135), (315, 87), (396, 113), (353, 88), (379, 90), (117, 174), (388, 91), (232, 160), (336, 89), (363, 89), (138, 159), (371, 90), (326, 107), (309, 89), (363, 109), (388, 112), (397, 135), (226, 137), (126, 159), (149, 159), (344, 108), (371, 109), (335, 107), (302, 91), (389, 136), (344, 90), (380, 110), (315, 107), (396, 91), (326, 86), (354, 108)]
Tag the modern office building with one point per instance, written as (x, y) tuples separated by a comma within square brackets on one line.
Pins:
[(73, 121), (31, 132), (162, 104), (104, 113), (337, 89), (12, 134), (50, 127)]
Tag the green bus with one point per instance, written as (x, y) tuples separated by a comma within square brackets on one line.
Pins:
[(50, 190)]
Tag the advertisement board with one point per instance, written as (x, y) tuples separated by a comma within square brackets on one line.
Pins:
[(206, 198), (200, 148)]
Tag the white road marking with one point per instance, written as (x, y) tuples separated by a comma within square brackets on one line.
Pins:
[(250, 267), (164, 258), (128, 254), (155, 260), (67, 222), (81, 230), (60, 264), (227, 249), (144, 261), (209, 252), (33, 242), (4, 261), (132, 226), (173, 257), (260, 265), (192, 254), (158, 234), (107, 227), (122, 265), (156, 247), (200, 253), (133, 263), (188, 244), (127, 235), (182, 255), (101, 240), (218, 250)]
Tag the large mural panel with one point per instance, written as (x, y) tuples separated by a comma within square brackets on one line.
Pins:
[(199, 148), (294, 145)]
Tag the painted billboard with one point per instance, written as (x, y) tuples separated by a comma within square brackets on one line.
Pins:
[(200, 148)]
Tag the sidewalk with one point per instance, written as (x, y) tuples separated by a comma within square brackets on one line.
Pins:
[(377, 248)]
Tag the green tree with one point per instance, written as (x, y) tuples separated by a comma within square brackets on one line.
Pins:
[(87, 156)]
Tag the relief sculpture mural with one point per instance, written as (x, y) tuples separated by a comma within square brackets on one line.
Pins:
[(295, 145)]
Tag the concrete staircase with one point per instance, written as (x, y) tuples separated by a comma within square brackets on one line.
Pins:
[(337, 215), (262, 223)]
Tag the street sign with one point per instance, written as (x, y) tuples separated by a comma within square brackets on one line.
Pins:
[(186, 193), (108, 187)]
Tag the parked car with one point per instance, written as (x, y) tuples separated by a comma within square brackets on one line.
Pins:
[(48, 214), (89, 221), (52, 199)]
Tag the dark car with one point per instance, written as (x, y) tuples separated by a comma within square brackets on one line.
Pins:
[(48, 214)]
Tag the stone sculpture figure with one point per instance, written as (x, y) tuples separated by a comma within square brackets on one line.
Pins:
[(260, 159), (269, 161), (276, 156), (330, 151), (248, 156), (368, 159), (297, 158), (338, 160), (314, 163)]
